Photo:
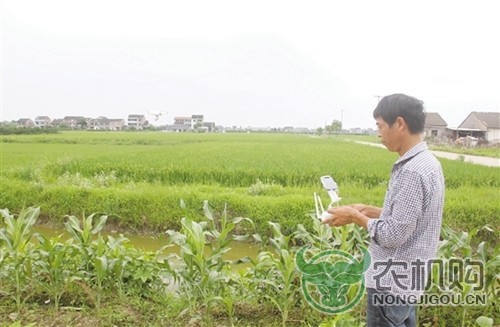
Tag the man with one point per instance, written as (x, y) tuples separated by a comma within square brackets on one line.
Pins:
[(404, 233)]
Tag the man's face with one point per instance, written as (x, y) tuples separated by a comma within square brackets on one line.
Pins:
[(388, 134)]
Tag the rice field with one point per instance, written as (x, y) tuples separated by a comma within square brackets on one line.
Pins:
[(202, 192), (139, 179)]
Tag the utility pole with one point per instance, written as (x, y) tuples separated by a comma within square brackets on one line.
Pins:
[(341, 119)]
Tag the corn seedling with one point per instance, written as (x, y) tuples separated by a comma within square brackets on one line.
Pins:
[(16, 237), (54, 267), (274, 273), (202, 271)]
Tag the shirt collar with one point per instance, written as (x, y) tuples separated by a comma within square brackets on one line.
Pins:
[(416, 149)]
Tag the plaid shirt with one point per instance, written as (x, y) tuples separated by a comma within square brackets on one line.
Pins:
[(406, 235)]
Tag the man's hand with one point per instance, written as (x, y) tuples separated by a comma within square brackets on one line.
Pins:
[(367, 210), (344, 215)]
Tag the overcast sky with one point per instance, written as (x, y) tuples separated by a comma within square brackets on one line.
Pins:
[(247, 63)]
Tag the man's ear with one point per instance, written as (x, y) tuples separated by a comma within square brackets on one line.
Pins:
[(400, 123)]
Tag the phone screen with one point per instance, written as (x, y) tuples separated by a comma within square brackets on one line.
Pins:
[(328, 183)]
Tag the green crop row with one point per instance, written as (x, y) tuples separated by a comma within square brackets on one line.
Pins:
[(144, 207), (230, 160), (98, 275), (140, 178)]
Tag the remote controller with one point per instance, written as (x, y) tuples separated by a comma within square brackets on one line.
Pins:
[(331, 187)]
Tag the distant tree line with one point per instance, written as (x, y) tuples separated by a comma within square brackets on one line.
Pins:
[(12, 129), (333, 128)]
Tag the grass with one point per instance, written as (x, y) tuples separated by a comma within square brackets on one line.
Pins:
[(493, 151)]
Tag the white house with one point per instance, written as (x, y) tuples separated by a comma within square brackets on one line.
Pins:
[(74, 121), (42, 121), (106, 124), (484, 125), (137, 121), (195, 122)]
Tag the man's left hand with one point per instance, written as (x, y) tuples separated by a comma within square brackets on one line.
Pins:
[(340, 216)]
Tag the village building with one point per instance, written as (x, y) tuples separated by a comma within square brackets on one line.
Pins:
[(435, 126), (137, 121), (25, 122), (43, 121), (106, 124), (481, 125)]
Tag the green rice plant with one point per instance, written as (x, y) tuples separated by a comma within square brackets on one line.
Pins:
[(164, 167), (469, 208), (260, 188), (18, 257)]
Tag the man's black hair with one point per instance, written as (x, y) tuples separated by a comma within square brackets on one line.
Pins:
[(401, 105)]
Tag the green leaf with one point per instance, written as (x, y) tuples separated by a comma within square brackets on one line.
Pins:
[(100, 225), (101, 265), (257, 237), (238, 220), (484, 321), (241, 238), (208, 211), (482, 252)]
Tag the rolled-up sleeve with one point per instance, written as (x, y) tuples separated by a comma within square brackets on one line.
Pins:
[(400, 215)]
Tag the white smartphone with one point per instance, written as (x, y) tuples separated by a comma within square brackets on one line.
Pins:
[(331, 187), (328, 183)]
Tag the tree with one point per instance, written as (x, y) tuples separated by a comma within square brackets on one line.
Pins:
[(82, 123), (197, 126), (336, 126)]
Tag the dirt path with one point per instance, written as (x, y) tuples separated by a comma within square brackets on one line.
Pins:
[(485, 161)]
